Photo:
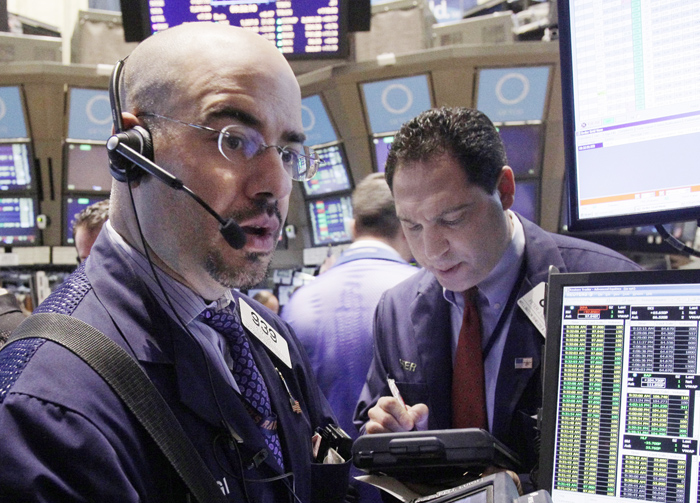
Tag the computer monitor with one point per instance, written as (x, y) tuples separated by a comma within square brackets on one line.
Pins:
[(72, 205), (527, 192), (16, 166), (524, 146), (13, 117), (18, 221), (330, 220), (333, 175), (380, 148), (300, 29), (630, 110), (391, 102), (89, 115), (86, 167), (621, 378)]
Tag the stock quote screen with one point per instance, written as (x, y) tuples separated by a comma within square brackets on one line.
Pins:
[(296, 27)]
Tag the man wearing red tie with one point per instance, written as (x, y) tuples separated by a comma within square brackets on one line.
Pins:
[(460, 349)]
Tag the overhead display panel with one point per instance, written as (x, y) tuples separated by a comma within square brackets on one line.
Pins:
[(13, 124), (15, 166), (333, 174), (513, 94), (316, 122), (330, 220), (300, 29), (89, 115), (390, 103)]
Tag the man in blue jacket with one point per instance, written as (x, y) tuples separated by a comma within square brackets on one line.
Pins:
[(222, 110), (453, 190)]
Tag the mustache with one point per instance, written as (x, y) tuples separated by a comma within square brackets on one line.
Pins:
[(259, 207)]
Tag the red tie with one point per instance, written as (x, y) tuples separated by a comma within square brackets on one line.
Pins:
[(468, 396)]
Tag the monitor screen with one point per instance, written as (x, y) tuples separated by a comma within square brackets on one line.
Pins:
[(381, 145), (333, 174), (300, 29), (389, 103), (316, 122), (621, 376), (89, 114), (631, 128), (86, 167), (527, 199), (16, 163), (73, 205), (515, 94), (18, 221), (330, 220), (13, 123), (524, 144)]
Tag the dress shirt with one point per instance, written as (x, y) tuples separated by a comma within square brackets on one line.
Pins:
[(494, 291), (188, 304)]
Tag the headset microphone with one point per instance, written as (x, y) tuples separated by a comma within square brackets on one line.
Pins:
[(118, 144)]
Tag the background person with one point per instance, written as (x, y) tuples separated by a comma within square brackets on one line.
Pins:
[(332, 315), (87, 225)]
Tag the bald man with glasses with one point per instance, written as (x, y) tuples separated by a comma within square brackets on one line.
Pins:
[(222, 110)]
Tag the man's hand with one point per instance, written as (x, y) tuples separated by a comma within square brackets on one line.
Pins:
[(391, 415)]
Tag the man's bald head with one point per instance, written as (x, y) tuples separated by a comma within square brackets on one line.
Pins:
[(153, 74)]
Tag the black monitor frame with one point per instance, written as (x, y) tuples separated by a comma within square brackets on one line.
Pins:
[(348, 173), (552, 354), (33, 186), (66, 229), (310, 218), (373, 142), (575, 221), (137, 27), (36, 232), (67, 146)]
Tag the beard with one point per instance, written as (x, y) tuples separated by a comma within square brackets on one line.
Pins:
[(250, 269), (247, 273)]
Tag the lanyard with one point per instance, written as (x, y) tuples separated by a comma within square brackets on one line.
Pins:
[(505, 313)]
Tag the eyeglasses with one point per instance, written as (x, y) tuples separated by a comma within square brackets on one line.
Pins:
[(301, 163)]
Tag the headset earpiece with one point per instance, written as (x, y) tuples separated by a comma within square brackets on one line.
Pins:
[(139, 139)]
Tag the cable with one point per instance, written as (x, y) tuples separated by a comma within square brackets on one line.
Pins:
[(675, 243), (233, 440)]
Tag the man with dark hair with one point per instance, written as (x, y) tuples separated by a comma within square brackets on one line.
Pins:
[(87, 226), (462, 352), (333, 314), (222, 108)]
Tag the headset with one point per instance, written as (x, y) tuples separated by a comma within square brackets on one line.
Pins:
[(130, 155)]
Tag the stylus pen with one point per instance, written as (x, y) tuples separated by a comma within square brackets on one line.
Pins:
[(395, 391)]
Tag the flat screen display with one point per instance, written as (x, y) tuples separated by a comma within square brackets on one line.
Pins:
[(330, 220), (18, 221), (15, 166), (524, 148), (13, 123), (87, 167), (527, 199), (389, 103), (300, 29), (72, 206), (333, 175), (621, 387), (382, 145), (631, 111)]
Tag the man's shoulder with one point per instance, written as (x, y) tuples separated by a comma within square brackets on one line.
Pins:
[(580, 255), (418, 282)]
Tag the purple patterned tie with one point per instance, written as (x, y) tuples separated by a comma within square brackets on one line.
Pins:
[(247, 376)]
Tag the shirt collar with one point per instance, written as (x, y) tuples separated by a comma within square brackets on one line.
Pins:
[(187, 303), (371, 243), (496, 287)]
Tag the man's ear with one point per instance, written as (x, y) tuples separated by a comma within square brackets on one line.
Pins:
[(506, 187)]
